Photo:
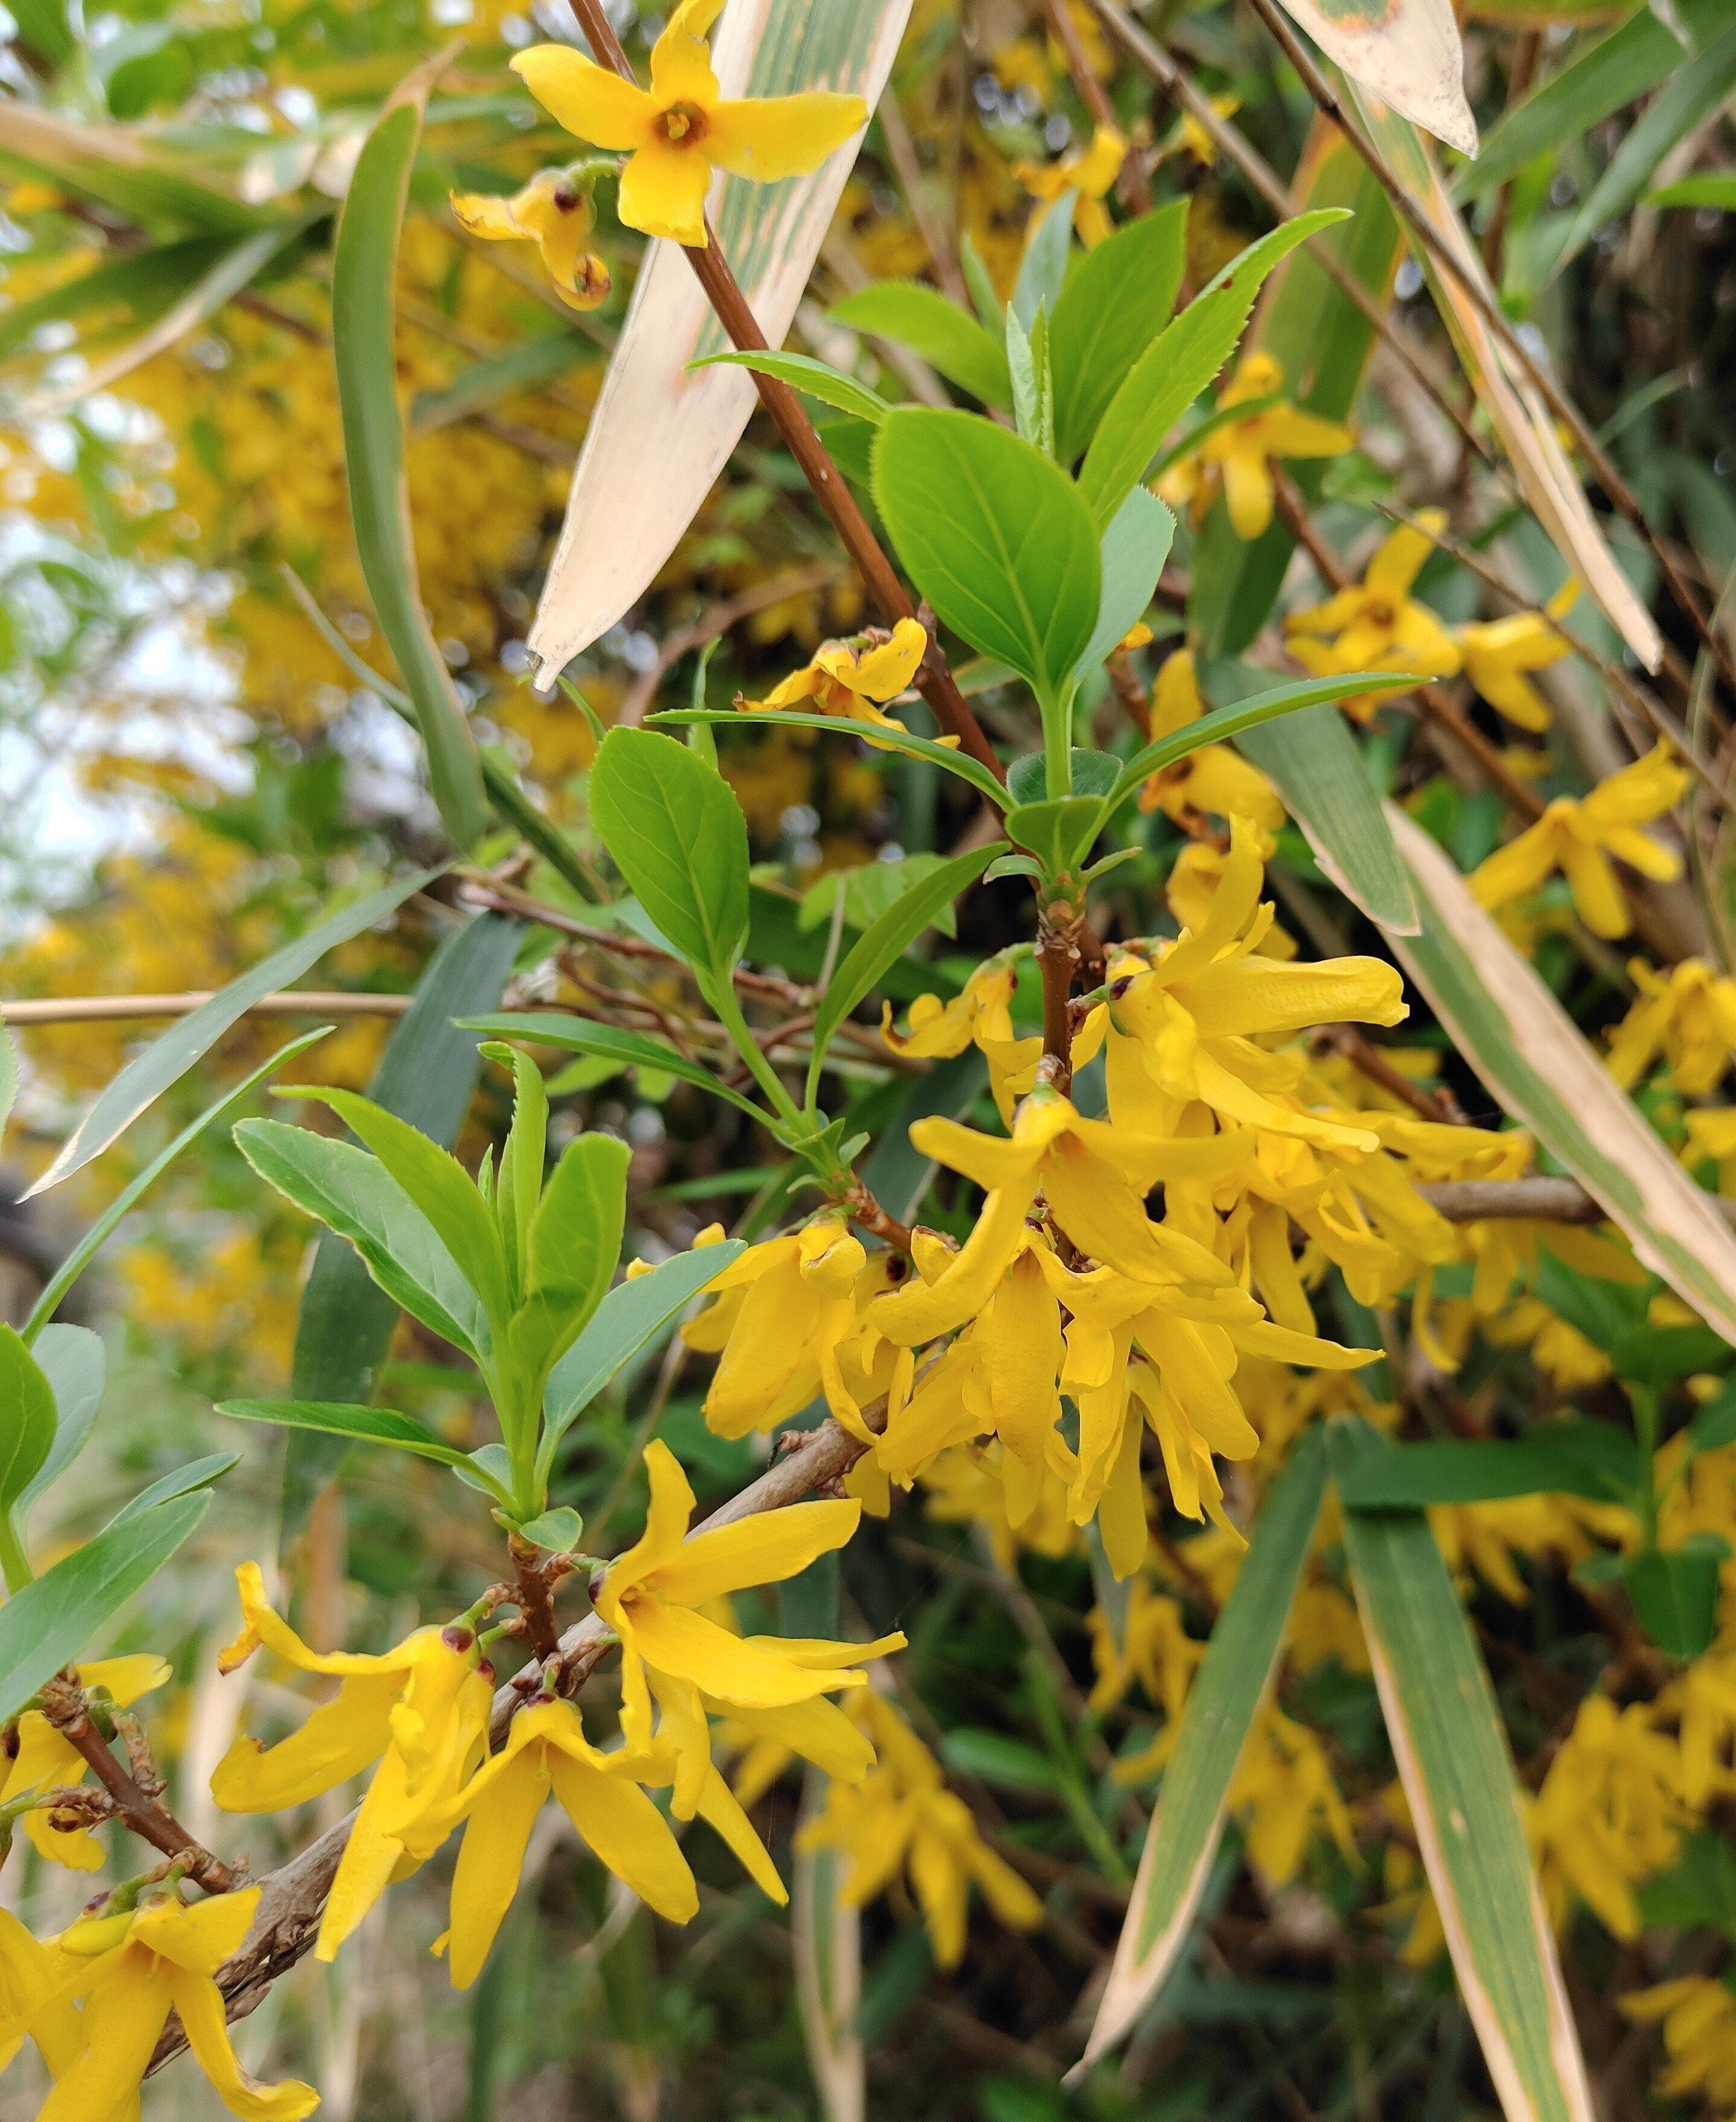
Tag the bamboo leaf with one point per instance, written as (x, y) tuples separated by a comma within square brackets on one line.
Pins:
[(659, 436), (1315, 763), (236, 266), (1237, 1670), (364, 268), (46, 1624), (1535, 1061), (163, 1063), (1452, 1755), (86, 1250)]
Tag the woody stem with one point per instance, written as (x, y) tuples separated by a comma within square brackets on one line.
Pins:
[(934, 679), (64, 1704), (534, 1600)]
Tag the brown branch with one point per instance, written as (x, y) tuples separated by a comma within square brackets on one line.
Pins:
[(1495, 320), (1547, 1200), (534, 1597), (934, 679), (66, 1707), (1058, 955), (106, 1009), (1367, 1060), (717, 623)]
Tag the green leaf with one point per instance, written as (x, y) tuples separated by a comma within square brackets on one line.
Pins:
[(676, 833), (1700, 1888), (145, 284), (801, 371), (1675, 1597), (1118, 297), (366, 1425), (353, 1194), (27, 1416), (1452, 1753), (364, 270), (186, 1481), (887, 941), (97, 1236), (944, 334), (557, 1531), (1058, 832), (1130, 556), (167, 1059), (994, 1757), (436, 1182), (1043, 269), (1573, 1458), (629, 1318), (1167, 378), (426, 1075), (1714, 191), (1316, 767), (868, 892), (43, 27), (1182, 1841), (75, 1362), (995, 536), (48, 1623), (1034, 386), (632, 1049), (518, 1183), (1694, 92), (914, 747), (575, 1245)]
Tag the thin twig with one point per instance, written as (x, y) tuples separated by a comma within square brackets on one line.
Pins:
[(1543, 1199), (1132, 184)]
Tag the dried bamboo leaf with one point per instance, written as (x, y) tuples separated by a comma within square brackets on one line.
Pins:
[(661, 436), (1406, 52), (1533, 1058)]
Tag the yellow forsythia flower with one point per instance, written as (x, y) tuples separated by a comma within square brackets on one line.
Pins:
[(982, 1016), (678, 129), (1499, 653), (162, 1961), (553, 212), (421, 1711), (1213, 779), (902, 1815), (1699, 2018), (1238, 455), (1688, 1014), (1579, 835), (1377, 624), (46, 1757), (853, 683), (1089, 173)]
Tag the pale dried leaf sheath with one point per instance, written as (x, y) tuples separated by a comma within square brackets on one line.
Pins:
[(1516, 411), (1459, 1784), (1532, 1058), (1406, 52), (659, 436)]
